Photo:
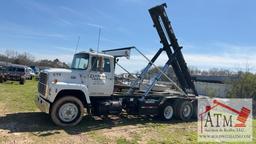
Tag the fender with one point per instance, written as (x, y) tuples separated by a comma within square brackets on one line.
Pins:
[(59, 86)]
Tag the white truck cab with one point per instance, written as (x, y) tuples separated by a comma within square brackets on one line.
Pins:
[(91, 75), (96, 72)]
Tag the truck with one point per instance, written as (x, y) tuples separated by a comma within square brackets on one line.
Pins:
[(88, 86), (16, 72)]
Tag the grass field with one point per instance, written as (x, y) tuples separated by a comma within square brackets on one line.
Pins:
[(21, 122)]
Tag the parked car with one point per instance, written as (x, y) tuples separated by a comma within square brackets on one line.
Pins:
[(40, 69), (17, 73), (2, 74), (35, 69), (31, 73)]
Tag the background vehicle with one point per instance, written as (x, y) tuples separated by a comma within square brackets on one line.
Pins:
[(65, 94), (17, 73), (2, 74), (35, 69), (31, 73)]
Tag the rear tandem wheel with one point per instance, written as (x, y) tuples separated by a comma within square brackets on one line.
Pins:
[(183, 109)]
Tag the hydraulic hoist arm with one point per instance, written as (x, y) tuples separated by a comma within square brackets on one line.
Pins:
[(173, 51), (171, 46)]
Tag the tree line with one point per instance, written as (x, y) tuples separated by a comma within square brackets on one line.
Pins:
[(29, 60)]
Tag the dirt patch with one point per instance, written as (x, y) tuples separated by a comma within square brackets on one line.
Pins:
[(127, 132), (36, 127)]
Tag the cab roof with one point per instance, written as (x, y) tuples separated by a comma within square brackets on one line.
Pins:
[(95, 54)]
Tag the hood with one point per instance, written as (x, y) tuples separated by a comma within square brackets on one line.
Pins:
[(66, 75), (60, 70)]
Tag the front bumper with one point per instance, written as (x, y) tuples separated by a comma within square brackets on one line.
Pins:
[(42, 104), (14, 78)]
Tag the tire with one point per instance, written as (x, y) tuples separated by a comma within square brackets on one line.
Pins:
[(22, 81), (195, 113), (62, 106), (167, 111), (183, 109), (1, 79)]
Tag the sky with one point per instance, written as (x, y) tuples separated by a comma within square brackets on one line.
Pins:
[(213, 33)]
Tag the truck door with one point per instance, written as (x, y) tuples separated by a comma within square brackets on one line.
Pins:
[(101, 76)]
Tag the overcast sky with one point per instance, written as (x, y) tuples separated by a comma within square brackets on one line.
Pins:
[(214, 33)]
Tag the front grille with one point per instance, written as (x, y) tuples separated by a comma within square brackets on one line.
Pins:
[(43, 78), (42, 83)]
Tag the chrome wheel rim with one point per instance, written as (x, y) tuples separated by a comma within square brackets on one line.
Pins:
[(68, 112), (168, 112), (186, 110)]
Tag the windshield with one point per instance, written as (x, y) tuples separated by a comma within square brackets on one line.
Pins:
[(80, 61), (16, 69)]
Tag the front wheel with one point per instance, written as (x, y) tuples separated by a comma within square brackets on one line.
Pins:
[(67, 111)]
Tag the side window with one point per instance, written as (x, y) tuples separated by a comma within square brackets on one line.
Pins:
[(100, 64), (106, 65), (10, 69)]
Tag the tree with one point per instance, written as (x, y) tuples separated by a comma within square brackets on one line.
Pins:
[(194, 70), (244, 87), (219, 72), (54, 64), (3, 58), (153, 71), (27, 59), (24, 59), (11, 54)]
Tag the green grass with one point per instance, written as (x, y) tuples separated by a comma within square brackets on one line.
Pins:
[(20, 122), (18, 97), (126, 141)]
